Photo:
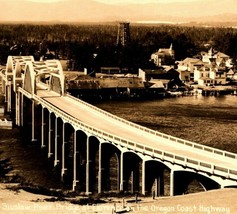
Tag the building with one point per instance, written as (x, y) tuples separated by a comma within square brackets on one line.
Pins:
[(164, 56), (186, 68), (216, 58), (168, 77), (184, 75), (123, 36), (208, 75)]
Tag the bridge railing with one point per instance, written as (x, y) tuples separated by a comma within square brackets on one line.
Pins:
[(162, 135), (163, 155)]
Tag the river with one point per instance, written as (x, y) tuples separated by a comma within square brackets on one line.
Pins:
[(206, 120)]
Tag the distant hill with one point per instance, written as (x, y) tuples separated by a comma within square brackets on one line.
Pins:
[(93, 11)]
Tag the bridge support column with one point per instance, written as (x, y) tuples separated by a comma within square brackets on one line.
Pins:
[(42, 128), (17, 110), (144, 177), (56, 143), (87, 166), (5, 91), (74, 183), (121, 172), (158, 186), (63, 153), (33, 139), (49, 137), (9, 96), (22, 110), (99, 171), (172, 182)]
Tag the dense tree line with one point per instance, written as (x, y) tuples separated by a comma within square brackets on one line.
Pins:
[(93, 46)]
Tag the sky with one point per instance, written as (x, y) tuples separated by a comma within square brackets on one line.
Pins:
[(142, 1), (121, 1), (47, 1)]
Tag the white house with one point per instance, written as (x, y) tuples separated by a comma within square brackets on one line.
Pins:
[(208, 75)]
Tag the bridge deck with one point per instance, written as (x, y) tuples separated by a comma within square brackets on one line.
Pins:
[(105, 123)]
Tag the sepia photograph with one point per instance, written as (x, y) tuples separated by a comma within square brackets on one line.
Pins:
[(118, 106)]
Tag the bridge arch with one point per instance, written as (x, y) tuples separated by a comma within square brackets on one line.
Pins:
[(53, 72), (132, 175), (192, 182), (156, 177), (29, 79), (110, 167), (11, 62)]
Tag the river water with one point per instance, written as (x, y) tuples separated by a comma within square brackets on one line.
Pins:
[(206, 120)]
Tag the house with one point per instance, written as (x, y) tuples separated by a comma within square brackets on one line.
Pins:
[(187, 66), (216, 58), (164, 56), (202, 73), (209, 75)]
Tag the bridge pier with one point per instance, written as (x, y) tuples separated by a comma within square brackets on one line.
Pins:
[(42, 128), (75, 181), (17, 109), (9, 96), (49, 136), (33, 139), (22, 110), (63, 153), (143, 177), (99, 170), (56, 161), (121, 171), (171, 182), (87, 165)]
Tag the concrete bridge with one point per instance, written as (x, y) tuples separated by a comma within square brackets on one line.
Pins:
[(96, 151)]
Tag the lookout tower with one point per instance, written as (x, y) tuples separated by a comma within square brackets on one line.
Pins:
[(123, 36)]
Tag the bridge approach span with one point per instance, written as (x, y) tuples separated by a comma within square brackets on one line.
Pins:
[(139, 140)]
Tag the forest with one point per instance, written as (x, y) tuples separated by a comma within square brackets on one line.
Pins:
[(95, 45)]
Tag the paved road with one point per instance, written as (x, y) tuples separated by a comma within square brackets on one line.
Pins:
[(105, 123)]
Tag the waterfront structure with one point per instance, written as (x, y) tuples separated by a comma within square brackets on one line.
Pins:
[(169, 77), (92, 147)]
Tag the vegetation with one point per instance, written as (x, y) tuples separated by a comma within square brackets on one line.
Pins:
[(94, 45)]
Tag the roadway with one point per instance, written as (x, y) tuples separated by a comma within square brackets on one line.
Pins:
[(107, 124)]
